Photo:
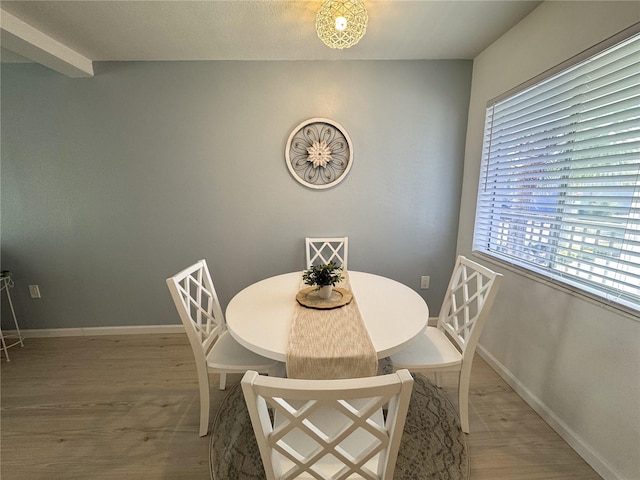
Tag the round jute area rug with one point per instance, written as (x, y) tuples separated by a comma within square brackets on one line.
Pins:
[(433, 446)]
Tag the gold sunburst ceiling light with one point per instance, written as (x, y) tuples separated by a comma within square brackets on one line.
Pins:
[(341, 24)]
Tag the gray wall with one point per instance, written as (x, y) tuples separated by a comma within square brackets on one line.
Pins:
[(576, 362), (113, 183)]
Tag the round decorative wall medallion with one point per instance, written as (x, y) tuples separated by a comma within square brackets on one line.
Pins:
[(319, 153)]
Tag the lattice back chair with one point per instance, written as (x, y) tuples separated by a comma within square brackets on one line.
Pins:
[(328, 429), (321, 251), (452, 344), (214, 349)]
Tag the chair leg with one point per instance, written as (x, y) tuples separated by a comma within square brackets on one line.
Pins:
[(463, 401), (223, 381), (204, 404)]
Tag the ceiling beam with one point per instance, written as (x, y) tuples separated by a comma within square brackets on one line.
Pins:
[(23, 39)]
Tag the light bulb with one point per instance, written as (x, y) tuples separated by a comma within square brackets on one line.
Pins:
[(341, 23)]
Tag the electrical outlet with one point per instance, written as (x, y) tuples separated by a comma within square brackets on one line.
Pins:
[(34, 291), (424, 282)]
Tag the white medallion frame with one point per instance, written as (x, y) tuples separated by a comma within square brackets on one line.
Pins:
[(339, 128)]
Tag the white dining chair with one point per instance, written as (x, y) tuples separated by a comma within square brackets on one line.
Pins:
[(324, 250), (326, 429), (450, 347), (214, 349)]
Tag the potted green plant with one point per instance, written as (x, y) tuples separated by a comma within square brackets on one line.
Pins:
[(324, 277)]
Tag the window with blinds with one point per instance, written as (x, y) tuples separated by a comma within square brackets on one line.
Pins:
[(559, 189)]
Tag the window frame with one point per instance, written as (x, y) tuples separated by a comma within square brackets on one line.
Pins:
[(540, 275)]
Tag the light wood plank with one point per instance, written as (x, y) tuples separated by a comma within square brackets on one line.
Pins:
[(120, 407)]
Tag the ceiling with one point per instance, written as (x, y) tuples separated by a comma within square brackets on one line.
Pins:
[(61, 31)]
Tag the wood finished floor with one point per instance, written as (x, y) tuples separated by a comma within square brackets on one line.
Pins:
[(126, 407)]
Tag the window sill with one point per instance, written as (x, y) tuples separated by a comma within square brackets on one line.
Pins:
[(575, 292)]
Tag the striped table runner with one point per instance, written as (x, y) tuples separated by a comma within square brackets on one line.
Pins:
[(330, 344)]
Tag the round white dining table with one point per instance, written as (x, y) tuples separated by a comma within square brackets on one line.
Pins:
[(259, 317)]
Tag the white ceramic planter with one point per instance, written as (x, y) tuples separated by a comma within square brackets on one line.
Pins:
[(325, 291)]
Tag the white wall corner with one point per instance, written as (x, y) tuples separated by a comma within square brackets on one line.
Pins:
[(23, 39)]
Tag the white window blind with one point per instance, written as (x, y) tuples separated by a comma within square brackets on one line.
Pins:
[(559, 189)]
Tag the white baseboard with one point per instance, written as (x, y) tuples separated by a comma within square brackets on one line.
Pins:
[(602, 467), (93, 331)]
